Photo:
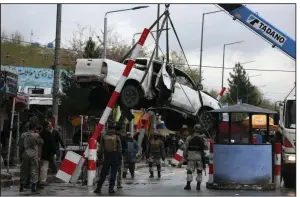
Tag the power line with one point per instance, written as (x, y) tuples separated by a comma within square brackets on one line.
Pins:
[(228, 68), (253, 69)]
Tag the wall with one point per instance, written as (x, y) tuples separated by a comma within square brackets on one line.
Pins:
[(244, 164)]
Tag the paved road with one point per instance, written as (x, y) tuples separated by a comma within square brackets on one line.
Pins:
[(171, 183)]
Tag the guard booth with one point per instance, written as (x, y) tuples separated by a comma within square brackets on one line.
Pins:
[(241, 164)]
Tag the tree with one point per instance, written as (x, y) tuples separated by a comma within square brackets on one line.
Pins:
[(91, 50), (214, 93), (177, 58), (240, 88)]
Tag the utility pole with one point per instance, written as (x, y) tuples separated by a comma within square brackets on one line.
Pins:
[(55, 91), (157, 31)]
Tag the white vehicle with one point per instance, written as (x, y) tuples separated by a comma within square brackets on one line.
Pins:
[(176, 98), (287, 123)]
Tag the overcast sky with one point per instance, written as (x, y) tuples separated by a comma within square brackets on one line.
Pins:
[(219, 29)]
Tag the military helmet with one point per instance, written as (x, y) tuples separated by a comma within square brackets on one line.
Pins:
[(198, 128)]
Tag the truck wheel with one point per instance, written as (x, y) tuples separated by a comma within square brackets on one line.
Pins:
[(206, 119), (130, 96)]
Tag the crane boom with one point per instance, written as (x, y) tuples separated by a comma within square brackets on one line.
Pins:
[(262, 27)]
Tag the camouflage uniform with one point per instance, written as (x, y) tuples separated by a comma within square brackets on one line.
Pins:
[(194, 154), (25, 132), (30, 159), (154, 153)]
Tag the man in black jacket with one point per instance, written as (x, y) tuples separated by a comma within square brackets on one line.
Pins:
[(48, 149), (57, 140)]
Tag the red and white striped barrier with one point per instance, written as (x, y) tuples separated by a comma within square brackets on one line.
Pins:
[(68, 166), (221, 93), (113, 99), (277, 164), (177, 157), (211, 162), (92, 161)]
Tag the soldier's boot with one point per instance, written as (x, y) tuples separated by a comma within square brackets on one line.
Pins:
[(151, 175), (188, 186), (198, 185), (21, 188), (111, 190), (27, 186), (33, 187), (132, 175), (199, 179), (97, 190), (39, 185), (158, 170), (119, 186)]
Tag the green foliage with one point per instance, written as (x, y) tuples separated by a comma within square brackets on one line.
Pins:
[(90, 49), (179, 61), (241, 88), (214, 93)]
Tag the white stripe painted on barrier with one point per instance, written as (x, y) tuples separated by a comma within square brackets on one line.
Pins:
[(120, 84), (105, 115), (73, 157), (136, 52), (63, 176), (277, 159), (277, 181), (210, 178), (91, 177), (93, 154)]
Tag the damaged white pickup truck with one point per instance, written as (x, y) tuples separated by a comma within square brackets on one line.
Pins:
[(169, 90)]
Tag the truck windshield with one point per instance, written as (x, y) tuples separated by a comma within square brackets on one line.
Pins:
[(290, 121)]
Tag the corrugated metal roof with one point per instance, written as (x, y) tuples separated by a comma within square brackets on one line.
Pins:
[(243, 108)]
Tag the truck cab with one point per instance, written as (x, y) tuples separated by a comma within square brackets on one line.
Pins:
[(287, 125)]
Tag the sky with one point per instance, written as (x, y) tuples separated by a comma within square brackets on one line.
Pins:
[(219, 29)]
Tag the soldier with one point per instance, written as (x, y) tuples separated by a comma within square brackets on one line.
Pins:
[(118, 128), (26, 132), (194, 154), (154, 153), (110, 146), (32, 141)]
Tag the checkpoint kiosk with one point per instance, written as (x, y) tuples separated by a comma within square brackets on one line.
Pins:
[(241, 164)]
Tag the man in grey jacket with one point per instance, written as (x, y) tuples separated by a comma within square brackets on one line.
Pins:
[(194, 154)]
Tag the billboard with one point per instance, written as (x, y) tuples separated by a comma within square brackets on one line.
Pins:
[(36, 77), (243, 164), (8, 82)]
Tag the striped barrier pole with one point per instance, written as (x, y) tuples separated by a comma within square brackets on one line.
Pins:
[(92, 161), (221, 93), (113, 99), (211, 162), (277, 164)]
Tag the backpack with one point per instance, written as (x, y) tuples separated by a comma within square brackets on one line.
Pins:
[(110, 143)]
